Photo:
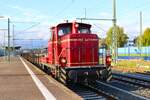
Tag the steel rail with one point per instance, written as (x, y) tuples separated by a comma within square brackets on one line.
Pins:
[(89, 92), (132, 77), (131, 82), (117, 92)]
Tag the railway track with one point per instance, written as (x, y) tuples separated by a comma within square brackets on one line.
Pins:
[(142, 82), (103, 91), (145, 73), (118, 93), (88, 92)]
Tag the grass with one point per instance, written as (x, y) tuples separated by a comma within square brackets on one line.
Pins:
[(143, 55), (132, 65)]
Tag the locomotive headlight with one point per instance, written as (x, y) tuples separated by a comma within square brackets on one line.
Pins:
[(76, 25), (63, 60), (108, 60)]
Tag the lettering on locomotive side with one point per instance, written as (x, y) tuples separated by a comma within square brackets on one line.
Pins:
[(75, 40), (91, 39), (72, 40)]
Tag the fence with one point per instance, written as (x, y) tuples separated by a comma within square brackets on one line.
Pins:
[(134, 53)]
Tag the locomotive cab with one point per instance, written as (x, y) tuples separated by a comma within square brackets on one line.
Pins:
[(77, 45), (73, 53)]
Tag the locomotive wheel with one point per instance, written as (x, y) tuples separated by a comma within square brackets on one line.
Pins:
[(48, 71), (106, 74), (42, 67)]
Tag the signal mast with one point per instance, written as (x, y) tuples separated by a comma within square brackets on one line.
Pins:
[(114, 45)]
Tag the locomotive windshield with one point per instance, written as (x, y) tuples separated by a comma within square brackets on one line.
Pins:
[(64, 30), (84, 28)]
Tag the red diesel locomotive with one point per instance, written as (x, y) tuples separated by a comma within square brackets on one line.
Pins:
[(73, 54)]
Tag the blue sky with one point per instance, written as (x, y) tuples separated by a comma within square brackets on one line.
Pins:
[(44, 13)]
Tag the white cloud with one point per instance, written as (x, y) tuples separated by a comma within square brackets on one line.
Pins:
[(129, 20), (32, 15), (28, 14)]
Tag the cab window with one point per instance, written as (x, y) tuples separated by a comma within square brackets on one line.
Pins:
[(84, 29), (51, 35), (64, 30)]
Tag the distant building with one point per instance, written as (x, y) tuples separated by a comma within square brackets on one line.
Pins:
[(130, 43)]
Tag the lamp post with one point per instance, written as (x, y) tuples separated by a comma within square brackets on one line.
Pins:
[(8, 22), (4, 47), (13, 40), (8, 39)]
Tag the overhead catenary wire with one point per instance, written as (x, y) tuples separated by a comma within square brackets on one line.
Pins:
[(29, 27), (23, 22), (100, 28), (64, 9), (36, 24), (57, 14)]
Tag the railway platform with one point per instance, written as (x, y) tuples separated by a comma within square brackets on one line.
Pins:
[(21, 80)]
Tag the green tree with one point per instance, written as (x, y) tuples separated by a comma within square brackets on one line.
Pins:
[(136, 41), (146, 37), (121, 37), (102, 42)]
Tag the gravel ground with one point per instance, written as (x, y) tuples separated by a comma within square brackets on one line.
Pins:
[(135, 89), (143, 92)]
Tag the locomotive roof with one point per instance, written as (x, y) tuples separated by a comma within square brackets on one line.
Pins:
[(84, 24)]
